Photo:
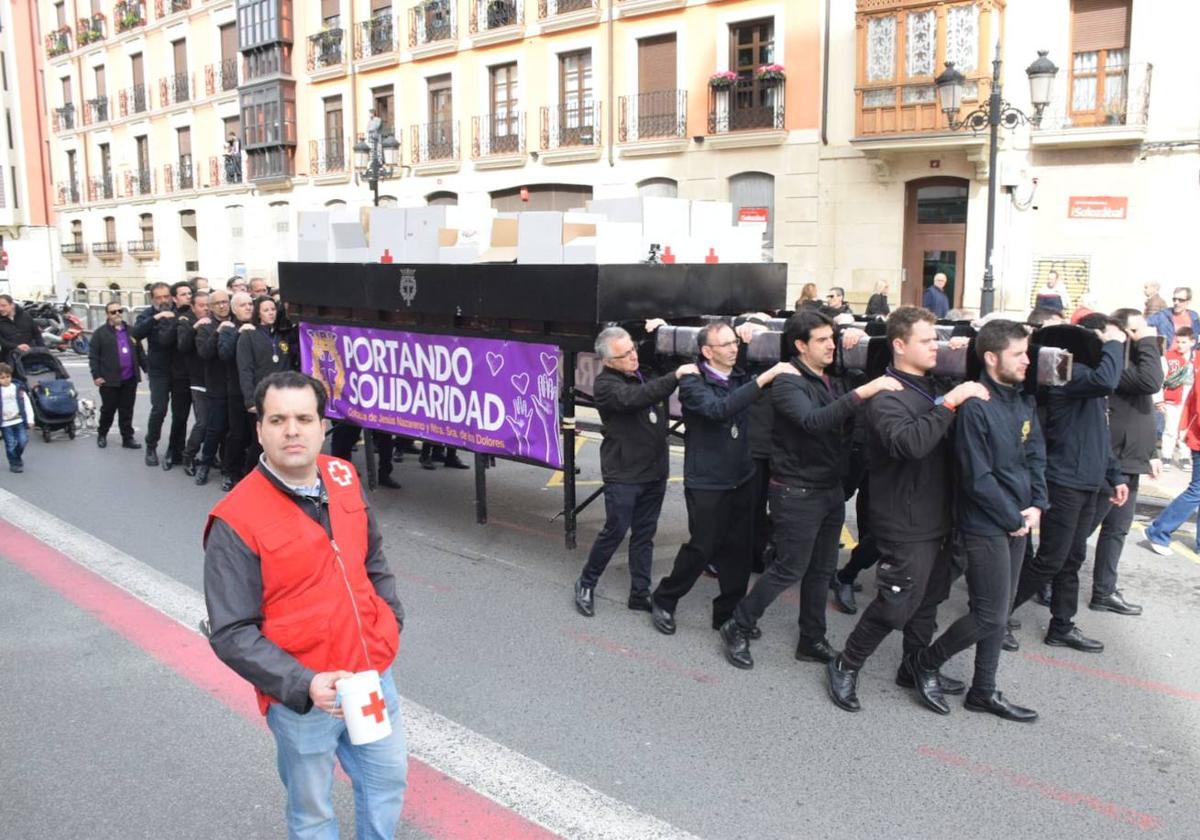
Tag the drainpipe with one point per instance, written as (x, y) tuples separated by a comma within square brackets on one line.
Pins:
[(611, 102), (825, 81)]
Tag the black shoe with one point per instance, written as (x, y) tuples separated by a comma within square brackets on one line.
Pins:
[(189, 466), (17, 467), (664, 622), (397, 456), (456, 463), (1115, 603), (130, 443), (1044, 593), (843, 596), (389, 482), (151, 457), (101, 441), (1010, 642), (439, 454), (202, 475), (843, 685), (169, 460), (1074, 639), (995, 704), (753, 633), (585, 601), (1014, 623), (205, 627), (926, 685), (640, 601), (426, 461), (815, 651), (227, 484), (949, 684), (737, 646)]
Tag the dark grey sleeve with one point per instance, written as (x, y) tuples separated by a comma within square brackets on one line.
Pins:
[(233, 593), (377, 567)]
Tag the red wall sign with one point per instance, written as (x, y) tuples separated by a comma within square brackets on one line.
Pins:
[(753, 214), (1098, 207)]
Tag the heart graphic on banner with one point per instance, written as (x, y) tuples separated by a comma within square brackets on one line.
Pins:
[(495, 362), (520, 382), (549, 363)]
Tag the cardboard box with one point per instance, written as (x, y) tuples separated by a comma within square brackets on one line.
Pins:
[(421, 226), (503, 240), (313, 239), (385, 233), (349, 243), (540, 238), (618, 209)]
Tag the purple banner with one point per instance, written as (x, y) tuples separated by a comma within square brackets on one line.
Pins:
[(488, 396)]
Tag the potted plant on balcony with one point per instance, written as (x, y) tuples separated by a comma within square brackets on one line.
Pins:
[(771, 74), (500, 13), (723, 80), (1114, 112)]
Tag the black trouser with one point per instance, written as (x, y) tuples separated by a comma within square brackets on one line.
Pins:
[(913, 578), (117, 400), (1114, 525), (718, 532), (160, 397), (385, 445), (866, 553), (181, 407), (199, 428), (1061, 551), (808, 523), (342, 439), (215, 428), (241, 428), (993, 568), (630, 508), (762, 522)]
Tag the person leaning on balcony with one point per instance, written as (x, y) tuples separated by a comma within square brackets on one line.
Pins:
[(233, 159)]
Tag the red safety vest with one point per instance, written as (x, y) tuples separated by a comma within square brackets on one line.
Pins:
[(318, 603)]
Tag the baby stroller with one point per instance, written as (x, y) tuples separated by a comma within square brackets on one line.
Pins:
[(55, 401)]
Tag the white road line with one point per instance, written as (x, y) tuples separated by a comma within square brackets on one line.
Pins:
[(560, 804)]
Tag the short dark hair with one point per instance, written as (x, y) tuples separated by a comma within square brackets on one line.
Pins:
[(1122, 316), (234, 279), (706, 333), (255, 317), (5, 368), (6, 298), (288, 379), (800, 327), (1097, 321), (837, 290), (1186, 332), (1041, 315), (154, 287), (902, 320), (175, 287), (995, 336), (1185, 289)]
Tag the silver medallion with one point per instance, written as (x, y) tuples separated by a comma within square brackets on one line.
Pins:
[(653, 418), (733, 432), (275, 358)]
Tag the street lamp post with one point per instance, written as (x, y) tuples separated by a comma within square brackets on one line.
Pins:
[(991, 115)]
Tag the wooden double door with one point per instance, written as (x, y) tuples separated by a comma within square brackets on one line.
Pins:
[(935, 237)]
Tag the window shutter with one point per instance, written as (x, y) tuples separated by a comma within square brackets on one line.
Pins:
[(656, 63), (380, 5), (1099, 25), (330, 8)]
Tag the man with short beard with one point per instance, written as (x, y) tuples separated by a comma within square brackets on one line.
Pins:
[(156, 326), (208, 334), (187, 351)]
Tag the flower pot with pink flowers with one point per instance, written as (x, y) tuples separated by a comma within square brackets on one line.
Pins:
[(723, 80), (771, 74)]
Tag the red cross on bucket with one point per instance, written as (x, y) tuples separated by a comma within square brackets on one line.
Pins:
[(376, 707)]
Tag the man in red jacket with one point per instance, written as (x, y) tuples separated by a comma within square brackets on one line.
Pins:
[(300, 596)]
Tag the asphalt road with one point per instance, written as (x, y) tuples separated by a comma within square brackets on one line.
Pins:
[(100, 740)]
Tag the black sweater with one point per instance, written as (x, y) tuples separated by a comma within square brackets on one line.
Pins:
[(1079, 451), (215, 371), (159, 335), (810, 441), (1131, 408), (260, 352), (186, 351), (716, 417), (634, 417)]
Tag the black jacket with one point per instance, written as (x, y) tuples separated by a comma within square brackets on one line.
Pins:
[(227, 342), (1079, 452), (215, 370), (160, 340), (634, 450), (1001, 460), (186, 350), (716, 417), (762, 420), (20, 329), (1131, 408), (810, 441), (104, 355), (260, 352), (908, 457), (878, 305), (179, 363)]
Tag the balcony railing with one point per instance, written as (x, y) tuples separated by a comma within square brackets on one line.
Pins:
[(487, 15), (58, 42), (550, 8), (325, 49), (174, 89), (73, 249), (101, 188), (163, 8), (141, 246), (571, 125), (64, 117), (134, 100), (90, 30), (224, 170), (95, 110), (185, 175), (1124, 100), (328, 156), (747, 106), (129, 14), (67, 192), (376, 36), (106, 249), (498, 134), (431, 21), (435, 141), (221, 76), (139, 182), (656, 115)]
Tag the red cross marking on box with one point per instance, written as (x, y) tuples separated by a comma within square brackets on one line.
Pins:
[(376, 707), (667, 257), (387, 256), (712, 256)]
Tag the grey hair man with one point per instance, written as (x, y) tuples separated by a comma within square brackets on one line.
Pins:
[(633, 463)]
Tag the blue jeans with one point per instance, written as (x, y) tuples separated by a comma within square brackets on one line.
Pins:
[(1175, 514), (306, 746), (15, 438)]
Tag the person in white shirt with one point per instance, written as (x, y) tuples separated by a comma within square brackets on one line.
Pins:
[(16, 414)]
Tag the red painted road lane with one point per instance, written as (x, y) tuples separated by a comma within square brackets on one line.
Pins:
[(435, 803), (1113, 676)]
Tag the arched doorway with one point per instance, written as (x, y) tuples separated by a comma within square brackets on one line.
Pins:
[(752, 195), (935, 237), (542, 197), (442, 198)]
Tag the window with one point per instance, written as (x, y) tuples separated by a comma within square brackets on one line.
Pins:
[(279, 215), (77, 235), (657, 105), (504, 122), (262, 22), (334, 143), (1099, 61), (146, 228), (106, 180), (110, 229), (4, 70), (440, 132), (752, 102), (138, 91), (382, 99), (60, 13), (942, 204), (183, 139), (330, 13), (756, 190), (8, 126), (575, 124), (269, 115), (659, 187)]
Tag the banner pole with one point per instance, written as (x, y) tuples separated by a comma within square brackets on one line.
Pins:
[(481, 511), (568, 433)]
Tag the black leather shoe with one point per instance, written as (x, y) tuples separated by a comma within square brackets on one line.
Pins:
[(640, 602), (1074, 639), (754, 632), (456, 463), (842, 683), (227, 484), (130, 443), (585, 601), (843, 596), (151, 457), (189, 466), (426, 461), (815, 651), (949, 684), (1010, 642), (1044, 593), (101, 441), (168, 460), (737, 646), (994, 703), (926, 685), (201, 475), (664, 622), (1115, 603), (1014, 623), (389, 482)]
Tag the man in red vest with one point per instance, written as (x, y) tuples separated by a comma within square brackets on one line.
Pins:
[(300, 596)]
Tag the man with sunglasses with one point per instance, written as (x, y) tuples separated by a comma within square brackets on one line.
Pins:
[(116, 359), (835, 302), (1166, 321)]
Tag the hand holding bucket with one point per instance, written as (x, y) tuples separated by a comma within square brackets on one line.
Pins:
[(361, 699)]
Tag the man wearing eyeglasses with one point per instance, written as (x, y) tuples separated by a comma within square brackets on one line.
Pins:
[(835, 302), (1166, 321), (116, 360)]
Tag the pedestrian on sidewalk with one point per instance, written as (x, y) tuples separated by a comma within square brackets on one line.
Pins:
[(1183, 506), (116, 360), (16, 413)]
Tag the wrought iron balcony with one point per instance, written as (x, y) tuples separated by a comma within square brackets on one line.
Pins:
[(498, 134), (64, 117), (185, 176), (328, 156), (325, 49), (141, 246), (656, 115), (100, 188), (134, 100), (487, 15), (174, 89), (746, 106), (58, 42), (163, 8), (435, 141), (95, 110), (106, 249), (90, 30), (139, 182), (129, 14), (73, 249), (1116, 96), (550, 8), (221, 76), (571, 125), (225, 170), (68, 193), (432, 21), (376, 36)]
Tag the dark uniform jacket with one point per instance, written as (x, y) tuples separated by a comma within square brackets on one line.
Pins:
[(227, 342), (104, 355), (1131, 408), (186, 350), (1079, 451), (160, 340), (716, 418), (633, 412), (260, 352), (1001, 461), (179, 363), (810, 441), (20, 329), (215, 370)]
